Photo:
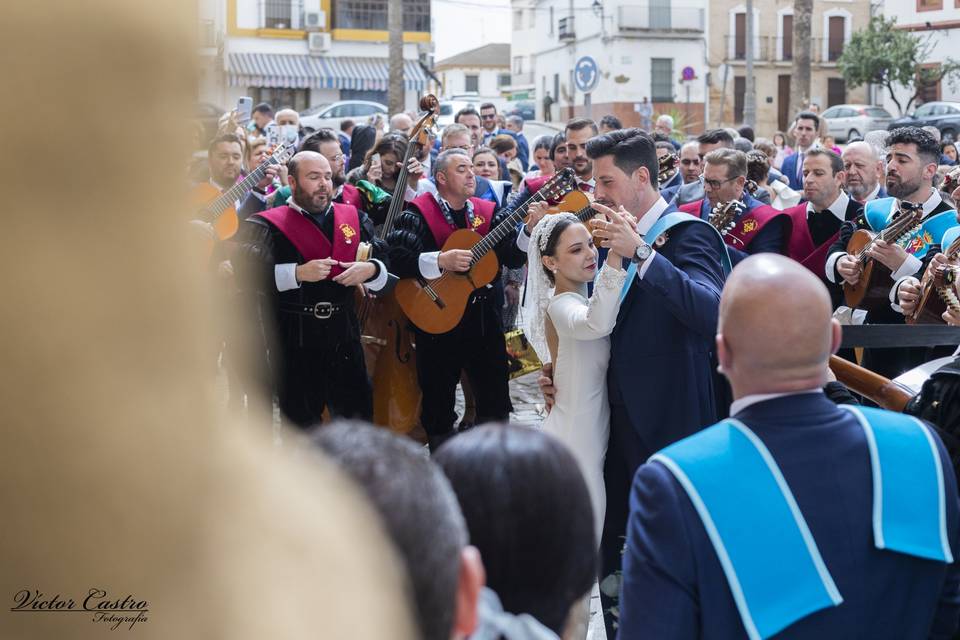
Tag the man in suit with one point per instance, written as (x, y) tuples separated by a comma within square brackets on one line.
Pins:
[(688, 573), (660, 377), (756, 227), (805, 129), (911, 165), (863, 169), (707, 142), (488, 119)]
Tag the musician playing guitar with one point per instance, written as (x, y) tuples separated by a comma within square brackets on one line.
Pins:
[(476, 344), (912, 158), (757, 227), (304, 257)]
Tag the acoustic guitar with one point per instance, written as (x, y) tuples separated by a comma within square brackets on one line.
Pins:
[(723, 217), (873, 287), (437, 306), (886, 393), (219, 209)]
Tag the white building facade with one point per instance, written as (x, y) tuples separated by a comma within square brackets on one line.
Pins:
[(301, 53), (938, 20), (641, 49), (484, 71)]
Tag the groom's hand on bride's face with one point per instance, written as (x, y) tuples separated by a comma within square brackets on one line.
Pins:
[(546, 385)]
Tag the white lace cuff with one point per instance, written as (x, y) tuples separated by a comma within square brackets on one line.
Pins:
[(610, 278)]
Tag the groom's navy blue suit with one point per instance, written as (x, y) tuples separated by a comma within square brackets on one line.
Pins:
[(660, 377)]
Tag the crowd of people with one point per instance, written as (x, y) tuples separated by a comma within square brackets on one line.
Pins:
[(685, 327)]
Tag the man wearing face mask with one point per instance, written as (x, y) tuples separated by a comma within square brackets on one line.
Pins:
[(303, 256), (911, 165), (290, 132), (755, 227), (476, 344)]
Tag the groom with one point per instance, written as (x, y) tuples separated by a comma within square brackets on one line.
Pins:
[(660, 378)]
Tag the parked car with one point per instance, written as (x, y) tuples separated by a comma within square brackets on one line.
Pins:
[(524, 108), (846, 121), (329, 116), (449, 109), (945, 116)]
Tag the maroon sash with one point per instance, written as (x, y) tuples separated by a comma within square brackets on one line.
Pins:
[(749, 225), (310, 242), (351, 195), (429, 208), (801, 247)]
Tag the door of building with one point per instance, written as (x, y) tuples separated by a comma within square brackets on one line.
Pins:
[(783, 102)]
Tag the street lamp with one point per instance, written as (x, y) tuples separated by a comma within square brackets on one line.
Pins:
[(597, 7)]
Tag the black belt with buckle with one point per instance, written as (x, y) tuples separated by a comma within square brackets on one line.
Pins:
[(320, 310)]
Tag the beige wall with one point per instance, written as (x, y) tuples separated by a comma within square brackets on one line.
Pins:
[(767, 66)]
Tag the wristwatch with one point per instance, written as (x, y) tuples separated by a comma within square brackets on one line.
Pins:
[(643, 252)]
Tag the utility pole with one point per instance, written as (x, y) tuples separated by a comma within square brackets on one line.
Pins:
[(395, 55), (750, 88)]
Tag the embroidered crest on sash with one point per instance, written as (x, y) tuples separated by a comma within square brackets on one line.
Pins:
[(347, 232), (919, 242), (477, 221), (749, 226)]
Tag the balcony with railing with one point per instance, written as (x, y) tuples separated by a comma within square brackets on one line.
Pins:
[(771, 49), (648, 17), (565, 29)]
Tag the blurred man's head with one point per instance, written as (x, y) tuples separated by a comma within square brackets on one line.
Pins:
[(913, 155), (287, 116), (863, 169), (724, 175), (558, 153), (326, 143), (610, 123), (470, 118), (776, 331), (225, 159), (664, 125), (823, 177), (311, 181), (488, 117), (456, 136), (401, 123), (422, 517), (714, 139), (577, 132), (806, 128), (690, 166), (455, 177), (262, 115), (515, 124)]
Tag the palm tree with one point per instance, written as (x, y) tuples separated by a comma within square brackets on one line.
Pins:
[(395, 53), (800, 86)]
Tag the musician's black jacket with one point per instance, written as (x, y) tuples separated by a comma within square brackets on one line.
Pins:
[(262, 247), (411, 236)]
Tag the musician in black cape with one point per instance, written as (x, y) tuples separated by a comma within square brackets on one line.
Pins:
[(303, 257), (476, 345)]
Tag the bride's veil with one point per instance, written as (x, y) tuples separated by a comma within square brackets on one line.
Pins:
[(539, 288)]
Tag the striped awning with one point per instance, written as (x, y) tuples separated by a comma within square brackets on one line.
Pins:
[(318, 72)]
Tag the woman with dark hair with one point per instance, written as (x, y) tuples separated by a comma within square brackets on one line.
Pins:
[(528, 512), (948, 154), (573, 332), (381, 165), (541, 157)]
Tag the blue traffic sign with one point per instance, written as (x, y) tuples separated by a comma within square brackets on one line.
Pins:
[(586, 74)]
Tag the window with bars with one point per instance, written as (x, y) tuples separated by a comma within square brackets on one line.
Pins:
[(471, 83), (372, 14), (503, 80), (282, 14), (661, 79)]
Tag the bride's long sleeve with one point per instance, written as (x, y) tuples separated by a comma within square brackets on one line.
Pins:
[(571, 317)]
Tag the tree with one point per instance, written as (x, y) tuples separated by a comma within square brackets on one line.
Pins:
[(800, 86), (889, 57), (395, 53)]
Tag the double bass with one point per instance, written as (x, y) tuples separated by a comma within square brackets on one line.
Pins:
[(385, 332)]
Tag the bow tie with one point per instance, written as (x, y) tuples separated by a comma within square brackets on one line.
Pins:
[(907, 207)]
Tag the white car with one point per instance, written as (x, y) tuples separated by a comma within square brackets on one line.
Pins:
[(846, 121), (329, 116)]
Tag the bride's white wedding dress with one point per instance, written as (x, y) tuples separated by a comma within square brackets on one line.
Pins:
[(581, 412)]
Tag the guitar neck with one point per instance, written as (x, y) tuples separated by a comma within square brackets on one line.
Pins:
[(890, 234), (225, 200), (503, 229), (396, 200)]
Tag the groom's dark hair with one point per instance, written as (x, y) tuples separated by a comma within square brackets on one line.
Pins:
[(630, 148)]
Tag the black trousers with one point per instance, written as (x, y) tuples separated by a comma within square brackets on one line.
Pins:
[(625, 453), (476, 346), (311, 380)]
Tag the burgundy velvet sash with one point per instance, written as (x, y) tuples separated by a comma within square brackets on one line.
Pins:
[(429, 208), (311, 243)]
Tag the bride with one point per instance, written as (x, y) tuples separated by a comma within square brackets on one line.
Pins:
[(572, 331)]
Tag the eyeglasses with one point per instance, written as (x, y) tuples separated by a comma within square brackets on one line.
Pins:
[(716, 184)]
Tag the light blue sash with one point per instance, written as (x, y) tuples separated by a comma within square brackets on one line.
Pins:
[(909, 511), (771, 561), (878, 214), (772, 564), (949, 236), (661, 226)]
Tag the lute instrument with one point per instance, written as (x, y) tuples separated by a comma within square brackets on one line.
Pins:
[(385, 332), (873, 287), (938, 291), (669, 165), (219, 209), (723, 217), (437, 305)]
